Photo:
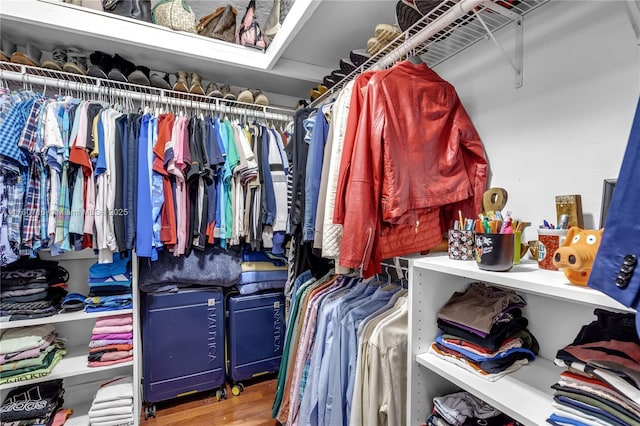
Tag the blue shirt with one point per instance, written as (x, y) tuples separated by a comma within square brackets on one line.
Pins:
[(11, 156), (309, 401), (332, 344), (144, 222), (345, 353), (314, 174)]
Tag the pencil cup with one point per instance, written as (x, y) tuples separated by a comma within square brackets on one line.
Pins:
[(548, 242), (461, 244), (494, 252)]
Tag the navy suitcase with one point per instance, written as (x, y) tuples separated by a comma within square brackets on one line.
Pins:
[(255, 337), (183, 344)]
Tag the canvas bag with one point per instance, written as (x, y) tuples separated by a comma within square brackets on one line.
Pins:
[(249, 33), (174, 14), (220, 24)]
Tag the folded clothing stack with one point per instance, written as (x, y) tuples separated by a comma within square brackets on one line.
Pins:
[(462, 409), (110, 285), (484, 332), (602, 383), (35, 404), (29, 352), (113, 403), (111, 341), (32, 288), (262, 270)]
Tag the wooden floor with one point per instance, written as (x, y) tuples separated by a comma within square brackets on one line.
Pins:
[(251, 408)]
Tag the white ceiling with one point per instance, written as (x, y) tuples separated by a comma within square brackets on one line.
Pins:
[(320, 33)]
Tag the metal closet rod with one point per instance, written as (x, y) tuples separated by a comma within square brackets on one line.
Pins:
[(161, 98)]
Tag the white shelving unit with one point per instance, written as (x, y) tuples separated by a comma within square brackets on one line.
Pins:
[(81, 381), (555, 309)]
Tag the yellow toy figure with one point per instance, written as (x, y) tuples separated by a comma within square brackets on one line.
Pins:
[(576, 255)]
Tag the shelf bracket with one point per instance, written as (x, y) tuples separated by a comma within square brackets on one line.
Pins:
[(517, 61)]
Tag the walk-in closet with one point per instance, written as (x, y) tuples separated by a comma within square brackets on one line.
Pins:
[(319, 212)]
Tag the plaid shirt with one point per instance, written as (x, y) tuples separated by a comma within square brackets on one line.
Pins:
[(16, 187), (11, 156), (31, 217), (7, 254), (7, 101), (28, 141), (28, 138)]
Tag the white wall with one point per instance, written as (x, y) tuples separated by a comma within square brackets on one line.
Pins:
[(566, 129)]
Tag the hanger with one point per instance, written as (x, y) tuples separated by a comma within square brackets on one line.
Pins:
[(414, 59)]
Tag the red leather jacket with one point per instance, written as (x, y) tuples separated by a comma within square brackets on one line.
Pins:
[(416, 159)]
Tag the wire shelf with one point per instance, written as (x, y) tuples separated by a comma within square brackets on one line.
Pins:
[(69, 83), (462, 33)]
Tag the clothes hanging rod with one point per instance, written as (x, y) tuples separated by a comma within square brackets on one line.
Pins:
[(66, 81)]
